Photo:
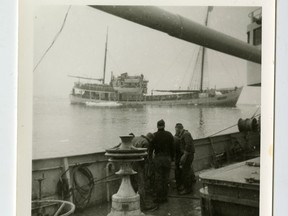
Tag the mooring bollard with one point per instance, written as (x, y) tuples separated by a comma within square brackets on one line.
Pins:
[(126, 201)]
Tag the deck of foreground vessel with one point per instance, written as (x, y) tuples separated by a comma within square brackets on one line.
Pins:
[(185, 205), (190, 205)]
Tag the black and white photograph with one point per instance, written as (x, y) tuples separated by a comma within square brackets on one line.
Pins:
[(147, 110)]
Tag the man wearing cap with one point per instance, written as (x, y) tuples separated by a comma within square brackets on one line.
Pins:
[(184, 157), (140, 180), (143, 141), (163, 149)]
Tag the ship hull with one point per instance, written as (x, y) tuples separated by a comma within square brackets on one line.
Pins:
[(215, 151), (228, 99)]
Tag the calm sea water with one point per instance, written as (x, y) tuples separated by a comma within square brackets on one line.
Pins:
[(61, 129)]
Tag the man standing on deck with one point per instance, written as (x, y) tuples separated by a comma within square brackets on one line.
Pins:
[(184, 157), (178, 171), (139, 182), (163, 149)]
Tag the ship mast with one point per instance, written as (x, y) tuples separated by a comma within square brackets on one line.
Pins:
[(210, 8), (105, 58)]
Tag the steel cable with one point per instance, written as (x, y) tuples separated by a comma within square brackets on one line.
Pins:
[(54, 40), (254, 116)]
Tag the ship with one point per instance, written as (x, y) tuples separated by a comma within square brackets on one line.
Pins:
[(227, 165), (88, 181), (127, 90)]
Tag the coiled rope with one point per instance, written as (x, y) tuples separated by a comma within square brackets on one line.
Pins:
[(80, 191)]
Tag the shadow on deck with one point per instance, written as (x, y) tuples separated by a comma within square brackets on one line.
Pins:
[(177, 205)]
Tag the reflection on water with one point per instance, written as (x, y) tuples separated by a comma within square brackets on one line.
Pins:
[(63, 129), (201, 128)]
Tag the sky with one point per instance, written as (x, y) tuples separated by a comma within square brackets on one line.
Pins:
[(167, 62)]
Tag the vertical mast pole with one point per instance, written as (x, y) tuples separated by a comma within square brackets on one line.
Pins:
[(105, 58), (210, 8)]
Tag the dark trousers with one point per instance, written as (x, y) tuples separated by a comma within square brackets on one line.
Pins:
[(162, 165), (185, 175), (138, 181)]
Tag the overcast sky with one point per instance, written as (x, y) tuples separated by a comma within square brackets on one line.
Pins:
[(165, 61)]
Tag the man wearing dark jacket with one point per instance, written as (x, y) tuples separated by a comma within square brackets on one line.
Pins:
[(178, 171), (163, 148), (184, 157), (140, 182)]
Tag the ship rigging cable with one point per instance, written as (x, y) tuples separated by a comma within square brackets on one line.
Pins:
[(188, 67), (225, 68), (171, 65), (256, 112), (114, 61), (194, 82), (254, 116), (54, 40)]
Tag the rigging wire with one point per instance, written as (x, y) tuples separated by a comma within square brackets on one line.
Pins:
[(171, 65), (113, 60), (225, 68), (197, 63), (237, 71), (203, 59), (54, 40), (256, 112), (188, 66), (206, 78), (223, 130), (227, 30), (231, 126)]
